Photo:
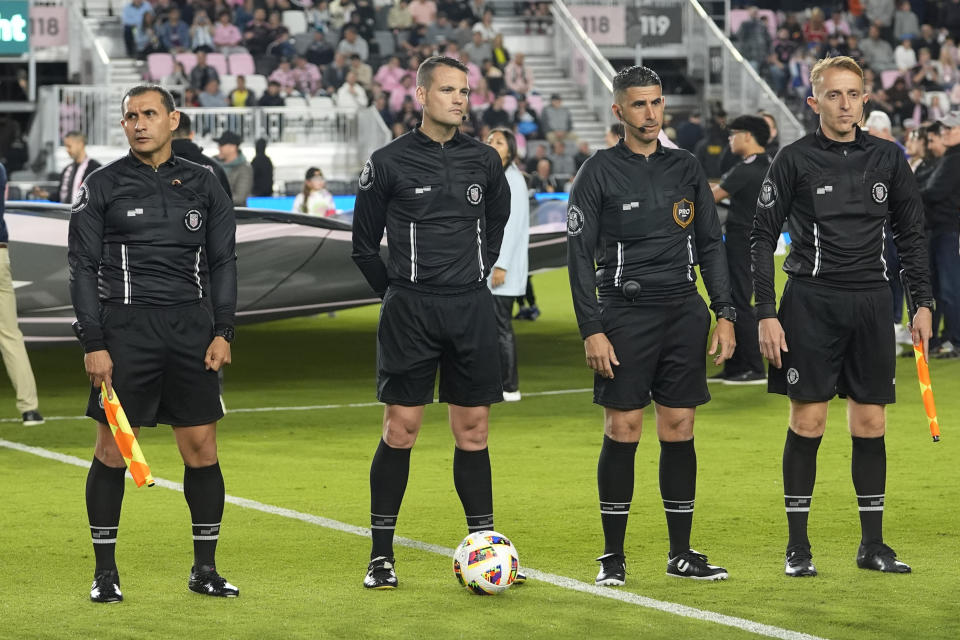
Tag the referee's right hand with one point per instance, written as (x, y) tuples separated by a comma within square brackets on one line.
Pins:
[(99, 366), (600, 355)]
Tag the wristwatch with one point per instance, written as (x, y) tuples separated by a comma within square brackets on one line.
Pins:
[(226, 333), (727, 313)]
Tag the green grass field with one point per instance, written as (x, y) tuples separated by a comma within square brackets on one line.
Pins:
[(299, 579)]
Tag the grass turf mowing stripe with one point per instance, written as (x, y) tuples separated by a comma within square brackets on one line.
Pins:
[(549, 578)]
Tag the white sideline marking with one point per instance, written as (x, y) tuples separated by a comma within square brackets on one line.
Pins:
[(319, 407), (550, 578)]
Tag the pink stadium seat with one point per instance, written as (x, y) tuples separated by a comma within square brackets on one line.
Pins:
[(188, 60), (509, 104), (218, 61), (241, 64), (535, 100), (159, 65), (888, 77)]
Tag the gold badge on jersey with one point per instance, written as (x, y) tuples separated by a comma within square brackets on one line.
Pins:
[(683, 213)]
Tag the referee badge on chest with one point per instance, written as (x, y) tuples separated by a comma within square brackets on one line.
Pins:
[(193, 220), (474, 194), (683, 213), (879, 192)]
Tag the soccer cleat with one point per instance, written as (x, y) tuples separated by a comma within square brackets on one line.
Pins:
[(106, 586), (799, 562), (32, 418), (717, 377), (693, 564), (747, 377), (879, 557), (511, 396), (380, 574), (613, 570), (521, 578), (534, 312), (209, 583)]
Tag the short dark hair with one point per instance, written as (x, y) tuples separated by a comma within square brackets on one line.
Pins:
[(76, 134), (165, 96), (425, 71), (511, 142), (183, 129), (635, 76), (754, 125)]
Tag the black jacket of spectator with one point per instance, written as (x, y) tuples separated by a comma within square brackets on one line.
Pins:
[(200, 76), (319, 53), (941, 198), (68, 176), (185, 148), (262, 176)]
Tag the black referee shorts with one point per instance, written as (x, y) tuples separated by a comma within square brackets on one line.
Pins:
[(841, 342), (158, 369), (420, 331), (662, 350)]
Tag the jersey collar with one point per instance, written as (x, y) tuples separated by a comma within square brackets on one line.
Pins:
[(624, 151), (172, 161), (427, 141)]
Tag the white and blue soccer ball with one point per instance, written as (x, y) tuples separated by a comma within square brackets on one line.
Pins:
[(486, 563)]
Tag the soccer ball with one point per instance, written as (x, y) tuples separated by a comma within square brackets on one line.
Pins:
[(486, 563)]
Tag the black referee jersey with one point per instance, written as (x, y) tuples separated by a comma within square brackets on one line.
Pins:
[(835, 198), (742, 182), (444, 207), (648, 220), (150, 237)]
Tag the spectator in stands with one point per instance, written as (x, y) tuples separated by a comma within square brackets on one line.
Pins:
[(815, 29), (583, 153), (318, 16), (241, 96), (525, 120), (146, 39), (320, 52), (478, 49), (178, 77), (493, 76), (877, 52), (201, 32), (556, 120), (441, 31), (409, 115), (904, 57), (353, 43), (415, 37), (463, 34), (709, 151), (495, 115), (477, 9), (928, 39), (285, 77), (905, 22), (242, 12), (212, 96), (132, 19), (314, 199), (406, 90), (838, 25), (793, 27), (390, 75), (879, 126), (543, 180), (338, 10), (282, 46), (226, 35), (190, 97), (306, 76), (517, 76), (174, 33), (926, 73), (948, 63), (753, 39), (272, 97), (399, 18), (382, 105), (423, 11), (915, 109), (257, 34), (562, 164), (74, 173), (474, 75), (854, 50), (482, 97), (773, 143), (539, 153), (184, 147), (202, 73), (879, 13), (335, 73), (921, 161), (235, 165), (262, 170), (834, 47), (485, 26), (689, 132), (500, 54), (351, 94), (363, 72)]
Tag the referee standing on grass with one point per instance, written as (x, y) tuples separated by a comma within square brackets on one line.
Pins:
[(444, 201), (154, 285), (640, 218), (836, 188)]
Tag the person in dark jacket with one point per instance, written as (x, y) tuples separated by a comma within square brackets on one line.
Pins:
[(153, 280), (640, 218), (262, 170), (74, 173), (184, 146)]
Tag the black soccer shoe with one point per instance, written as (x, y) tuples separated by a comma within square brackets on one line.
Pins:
[(613, 570), (380, 574), (209, 583), (747, 377), (879, 557), (693, 564), (521, 578), (799, 562), (106, 586)]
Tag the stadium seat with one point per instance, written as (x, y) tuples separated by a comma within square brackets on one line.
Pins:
[(228, 83), (318, 103), (296, 101), (535, 100), (241, 64), (295, 20), (188, 60), (256, 83), (302, 42), (159, 66), (380, 17), (888, 77), (386, 42), (218, 61)]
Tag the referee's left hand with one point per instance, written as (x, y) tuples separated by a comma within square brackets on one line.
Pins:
[(218, 354), (723, 337)]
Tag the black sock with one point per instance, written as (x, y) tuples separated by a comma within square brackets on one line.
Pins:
[(471, 477), (203, 489), (678, 487), (799, 476), (869, 468), (388, 480), (104, 499), (615, 486)]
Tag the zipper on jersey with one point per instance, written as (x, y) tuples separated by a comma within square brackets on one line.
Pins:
[(163, 198)]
